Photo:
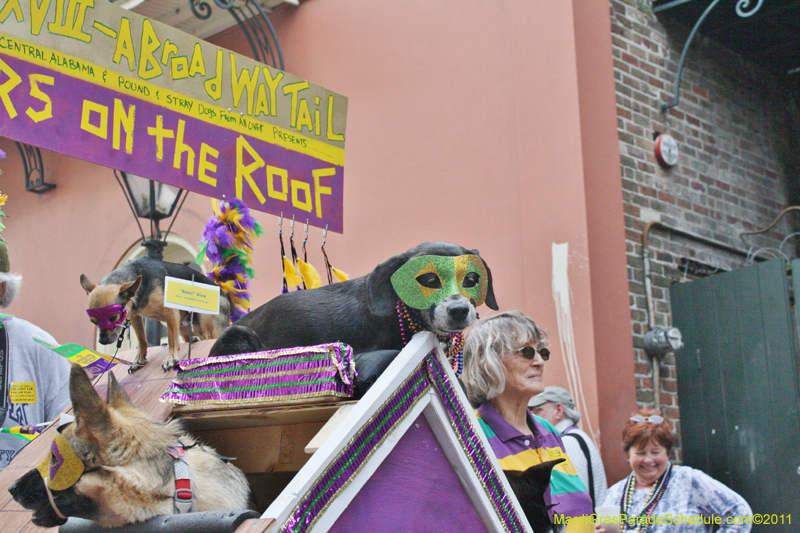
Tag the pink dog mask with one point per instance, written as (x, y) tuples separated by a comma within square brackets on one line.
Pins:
[(108, 317)]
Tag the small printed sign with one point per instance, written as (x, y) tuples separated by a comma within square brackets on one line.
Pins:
[(191, 296), (94, 363), (22, 393)]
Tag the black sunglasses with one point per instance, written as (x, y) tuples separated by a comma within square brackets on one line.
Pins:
[(529, 353)]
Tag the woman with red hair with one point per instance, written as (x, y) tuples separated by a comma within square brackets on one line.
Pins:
[(660, 497)]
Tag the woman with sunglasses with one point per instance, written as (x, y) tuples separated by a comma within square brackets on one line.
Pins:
[(658, 496), (504, 359)]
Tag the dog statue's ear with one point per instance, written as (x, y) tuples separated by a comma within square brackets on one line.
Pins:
[(117, 397), (87, 285), (91, 413), (128, 290), (381, 297), (541, 473), (490, 299), (533, 482)]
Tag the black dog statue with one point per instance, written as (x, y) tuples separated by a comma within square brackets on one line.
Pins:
[(529, 488), (435, 286)]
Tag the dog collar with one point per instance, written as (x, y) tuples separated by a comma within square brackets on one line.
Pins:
[(425, 281), (108, 317), (53, 500), (184, 497)]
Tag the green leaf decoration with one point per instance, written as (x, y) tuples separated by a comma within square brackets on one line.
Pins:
[(202, 255)]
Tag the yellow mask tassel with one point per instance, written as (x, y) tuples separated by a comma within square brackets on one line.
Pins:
[(310, 275), (338, 274), (290, 273)]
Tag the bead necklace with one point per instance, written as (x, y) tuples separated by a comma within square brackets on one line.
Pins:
[(410, 322), (659, 487)]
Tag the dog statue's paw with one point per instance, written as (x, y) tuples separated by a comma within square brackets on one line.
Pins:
[(135, 366), (169, 364), (195, 338)]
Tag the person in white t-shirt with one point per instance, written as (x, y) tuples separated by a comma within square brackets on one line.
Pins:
[(556, 405), (37, 388)]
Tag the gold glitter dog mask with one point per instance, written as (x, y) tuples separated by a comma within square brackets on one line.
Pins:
[(62, 468), (425, 281)]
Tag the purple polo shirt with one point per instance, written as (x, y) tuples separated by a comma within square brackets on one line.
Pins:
[(516, 451)]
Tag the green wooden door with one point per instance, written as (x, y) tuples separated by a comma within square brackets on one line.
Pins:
[(738, 384)]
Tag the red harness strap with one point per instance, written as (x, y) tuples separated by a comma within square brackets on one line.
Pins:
[(184, 498)]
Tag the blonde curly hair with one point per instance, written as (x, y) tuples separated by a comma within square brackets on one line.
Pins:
[(488, 342)]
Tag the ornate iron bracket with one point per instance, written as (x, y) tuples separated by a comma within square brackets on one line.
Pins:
[(743, 9), (32, 164), (253, 21)]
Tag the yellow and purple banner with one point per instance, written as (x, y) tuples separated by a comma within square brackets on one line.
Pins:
[(91, 80), (94, 363)]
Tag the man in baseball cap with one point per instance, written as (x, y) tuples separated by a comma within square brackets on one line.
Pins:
[(556, 405)]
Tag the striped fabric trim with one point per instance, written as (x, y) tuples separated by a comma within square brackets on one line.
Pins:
[(294, 373)]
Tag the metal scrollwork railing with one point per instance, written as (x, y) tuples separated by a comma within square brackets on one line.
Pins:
[(255, 24), (33, 168), (743, 8)]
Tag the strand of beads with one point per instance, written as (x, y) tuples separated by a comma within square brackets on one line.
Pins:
[(410, 324), (658, 490), (406, 318), (400, 320), (455, 352)]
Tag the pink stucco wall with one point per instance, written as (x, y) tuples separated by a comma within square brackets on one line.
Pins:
[(488, 124)]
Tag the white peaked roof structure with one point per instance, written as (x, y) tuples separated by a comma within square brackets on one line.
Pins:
[(409, 456)]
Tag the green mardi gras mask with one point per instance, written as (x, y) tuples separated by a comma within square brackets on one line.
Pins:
[(61, 468), (425, 281)]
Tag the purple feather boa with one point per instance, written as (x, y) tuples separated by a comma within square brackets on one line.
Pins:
[(223, 236)]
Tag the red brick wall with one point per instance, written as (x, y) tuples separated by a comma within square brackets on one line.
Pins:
[(734, 126)]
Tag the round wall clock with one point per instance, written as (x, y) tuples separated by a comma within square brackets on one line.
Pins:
[(666, 150)]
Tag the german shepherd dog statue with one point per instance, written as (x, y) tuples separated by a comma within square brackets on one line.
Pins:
[(435, 286), (136, 290), (116, 465)]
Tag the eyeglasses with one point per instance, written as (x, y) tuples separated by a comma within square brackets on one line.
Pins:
[(655, 419), (529, 353)]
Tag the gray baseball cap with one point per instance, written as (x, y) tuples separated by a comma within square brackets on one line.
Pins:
[(553, 394)]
